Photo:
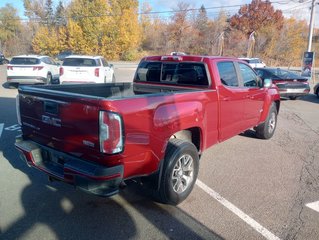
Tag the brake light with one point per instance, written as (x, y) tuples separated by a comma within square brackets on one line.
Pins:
[(37, 68), (61, 71), (111, 135), (97, 72), (172, 58), (9, 68)]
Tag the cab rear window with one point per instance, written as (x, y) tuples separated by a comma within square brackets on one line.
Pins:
[(184, 73), (80, 62), (25, 61)]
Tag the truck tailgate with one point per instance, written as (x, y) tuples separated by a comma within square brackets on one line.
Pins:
[(69, 124)]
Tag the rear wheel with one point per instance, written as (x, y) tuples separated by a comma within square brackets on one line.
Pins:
[(179, 173), (317, 93), (267, 129)]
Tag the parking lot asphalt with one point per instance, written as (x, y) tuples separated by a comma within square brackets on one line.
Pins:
[(247, 189)]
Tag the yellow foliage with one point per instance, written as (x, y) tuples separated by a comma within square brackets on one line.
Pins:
[(45, 42)]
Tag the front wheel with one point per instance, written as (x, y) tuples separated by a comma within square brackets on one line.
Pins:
[(267, 129), (317, 93), (179, 173)]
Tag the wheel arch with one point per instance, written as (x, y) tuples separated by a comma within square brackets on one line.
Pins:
[(192, 135)]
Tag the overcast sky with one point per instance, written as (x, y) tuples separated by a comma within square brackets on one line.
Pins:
[(289, 7)]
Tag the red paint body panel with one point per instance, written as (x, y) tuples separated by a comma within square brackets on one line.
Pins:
[(149, 120)]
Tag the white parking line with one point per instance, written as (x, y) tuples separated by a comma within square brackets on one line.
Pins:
[(255, 225), (313, 206), (1, 128)]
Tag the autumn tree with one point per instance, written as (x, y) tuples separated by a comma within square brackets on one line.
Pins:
[(291, 43), (201, 39), (10, 27), (252, 17), (179, 28), (218, 34), (45, 42), (126, 31)]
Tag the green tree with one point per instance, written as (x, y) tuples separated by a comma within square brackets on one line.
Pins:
[(60, 15), (49, 13)]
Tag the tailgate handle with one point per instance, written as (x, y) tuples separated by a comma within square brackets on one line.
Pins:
[(51, 107)]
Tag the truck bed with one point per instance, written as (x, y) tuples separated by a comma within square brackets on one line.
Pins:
[(110, 90)]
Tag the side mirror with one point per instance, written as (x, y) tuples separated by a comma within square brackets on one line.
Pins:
[(267, 83), (111, 65)]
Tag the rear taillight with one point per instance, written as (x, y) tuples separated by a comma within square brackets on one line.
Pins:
[(61, 71), (9, 68), (97, 72), (111, 132), (37, 68)]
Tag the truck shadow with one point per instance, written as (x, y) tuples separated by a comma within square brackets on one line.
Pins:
[(64, 213)]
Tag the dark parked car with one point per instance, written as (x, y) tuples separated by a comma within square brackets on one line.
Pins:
[(316, 89), (3, 60), (289, 83), (63, 55)]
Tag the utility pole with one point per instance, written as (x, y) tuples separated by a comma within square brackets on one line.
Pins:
[(311, 24)]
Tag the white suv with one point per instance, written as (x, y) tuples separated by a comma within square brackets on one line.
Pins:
[(86, 69), (254, 62), (32, 69)]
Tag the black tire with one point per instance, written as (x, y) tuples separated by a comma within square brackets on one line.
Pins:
[(113, 78), (292, 97), (179, 172), (317, 93), (267, 129), (49, 78)]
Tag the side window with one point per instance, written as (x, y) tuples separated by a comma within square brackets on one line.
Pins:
[(227, 73), (263, 74), (104, 62), (97, 62), (148, 71), (52, 61), (46, 60), (250, 79)]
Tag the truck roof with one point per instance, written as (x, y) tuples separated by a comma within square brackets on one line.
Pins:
[(196, 58)]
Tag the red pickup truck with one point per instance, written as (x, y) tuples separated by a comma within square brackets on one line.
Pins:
[(96, 136)]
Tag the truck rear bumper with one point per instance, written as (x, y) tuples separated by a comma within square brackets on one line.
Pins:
[(87, 176)]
